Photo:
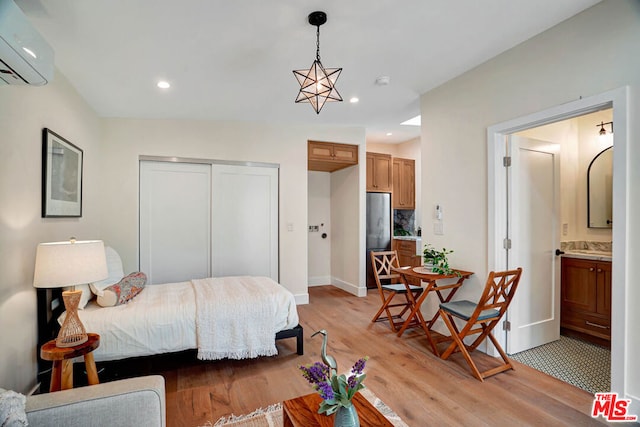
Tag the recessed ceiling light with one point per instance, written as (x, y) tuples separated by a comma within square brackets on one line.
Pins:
[(30, 52), (354, 100), (415, 121), (163, 84), (389, 134)]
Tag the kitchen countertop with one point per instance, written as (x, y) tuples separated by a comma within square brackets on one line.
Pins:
[(588, 254), (407, 237)]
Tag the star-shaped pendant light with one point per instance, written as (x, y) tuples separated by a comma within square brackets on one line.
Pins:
[(317, 84)]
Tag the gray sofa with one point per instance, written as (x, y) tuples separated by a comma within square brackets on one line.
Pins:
[(136, 402)]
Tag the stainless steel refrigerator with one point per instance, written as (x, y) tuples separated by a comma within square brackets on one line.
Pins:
[(378, 229)]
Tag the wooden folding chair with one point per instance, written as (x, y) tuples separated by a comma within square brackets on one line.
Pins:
[(495, 299), (382, 263)]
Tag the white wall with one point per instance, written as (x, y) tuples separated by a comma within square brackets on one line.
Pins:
[(319, 254), (591, 144), (348, 217), (580, 57), (580, 143), (24, 111), (125, 140)]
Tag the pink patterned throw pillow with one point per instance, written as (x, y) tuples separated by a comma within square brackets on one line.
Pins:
[(123, 291)]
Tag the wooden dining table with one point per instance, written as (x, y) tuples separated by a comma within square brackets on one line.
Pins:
[(428, 280)]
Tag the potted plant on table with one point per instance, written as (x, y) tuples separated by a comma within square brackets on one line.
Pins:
[(336, 391), (437, 259)]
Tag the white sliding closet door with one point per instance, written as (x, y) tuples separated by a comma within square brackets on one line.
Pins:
[(245, 220), (175, 221)]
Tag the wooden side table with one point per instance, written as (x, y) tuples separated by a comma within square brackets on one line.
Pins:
[(303, 412), (62, 373)]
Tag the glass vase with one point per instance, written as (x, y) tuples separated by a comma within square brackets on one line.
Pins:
[(346, 416)]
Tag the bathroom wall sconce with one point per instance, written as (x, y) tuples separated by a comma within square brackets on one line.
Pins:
[(603, 131)]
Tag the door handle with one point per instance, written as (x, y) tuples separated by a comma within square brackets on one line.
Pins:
[(559, 252)]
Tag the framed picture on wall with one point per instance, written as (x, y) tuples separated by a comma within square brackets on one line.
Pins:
[(61, 177)]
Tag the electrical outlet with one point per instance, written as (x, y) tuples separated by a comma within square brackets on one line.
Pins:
[(289, 226), (438, 228), (314, 228)]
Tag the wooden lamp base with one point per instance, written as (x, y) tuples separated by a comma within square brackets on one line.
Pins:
[(72, 331)]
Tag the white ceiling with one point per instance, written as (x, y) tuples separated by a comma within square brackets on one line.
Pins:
[(233, 60)]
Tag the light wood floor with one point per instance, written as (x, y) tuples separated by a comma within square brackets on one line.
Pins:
[(403, 372)]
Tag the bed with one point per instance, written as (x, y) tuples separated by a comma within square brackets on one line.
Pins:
[(174, 317)]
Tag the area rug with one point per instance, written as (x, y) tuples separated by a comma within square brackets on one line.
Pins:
[(271, 416)]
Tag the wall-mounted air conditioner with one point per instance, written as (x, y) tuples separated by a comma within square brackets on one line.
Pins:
[(25, 57)]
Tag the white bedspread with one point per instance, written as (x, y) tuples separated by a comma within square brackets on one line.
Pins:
[(161, 319), (251, 303)]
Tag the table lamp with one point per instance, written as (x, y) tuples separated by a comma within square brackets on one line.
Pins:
[(66, 264)]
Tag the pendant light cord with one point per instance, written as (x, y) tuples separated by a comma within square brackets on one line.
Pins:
[(318, 43)]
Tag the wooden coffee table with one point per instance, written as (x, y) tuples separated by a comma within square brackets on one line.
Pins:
[(303, 412)]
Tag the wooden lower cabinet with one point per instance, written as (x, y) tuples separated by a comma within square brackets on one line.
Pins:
[(586, 298), (406, 250)]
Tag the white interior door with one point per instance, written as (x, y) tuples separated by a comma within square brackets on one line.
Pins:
[(534, 220), (175, 230), (245, 221)]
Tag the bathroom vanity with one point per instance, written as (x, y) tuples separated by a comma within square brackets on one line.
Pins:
[(586, 295)]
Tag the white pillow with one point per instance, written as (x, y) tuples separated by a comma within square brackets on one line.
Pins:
[(85, 297), (114, 267)]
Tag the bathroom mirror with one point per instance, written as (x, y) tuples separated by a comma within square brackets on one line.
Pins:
[(600, 189)]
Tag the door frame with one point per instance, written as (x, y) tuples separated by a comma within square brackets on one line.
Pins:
[(497, 205)]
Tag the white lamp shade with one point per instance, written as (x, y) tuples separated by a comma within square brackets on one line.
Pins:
[(60, 264)]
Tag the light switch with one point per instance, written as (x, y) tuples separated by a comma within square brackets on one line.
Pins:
[(289, 226), (565, 229)]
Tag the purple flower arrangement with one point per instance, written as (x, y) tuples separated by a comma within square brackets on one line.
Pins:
[(335, 390)]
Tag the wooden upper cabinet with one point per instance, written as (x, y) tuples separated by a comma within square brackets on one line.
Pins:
[(329, 156), (379, 172), (404, 183)]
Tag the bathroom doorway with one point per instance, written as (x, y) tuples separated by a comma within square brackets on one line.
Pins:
[(498, 202), (571, 349)]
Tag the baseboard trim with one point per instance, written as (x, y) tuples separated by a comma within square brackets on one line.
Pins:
[(301, 299), (319, 280), (349, 287)]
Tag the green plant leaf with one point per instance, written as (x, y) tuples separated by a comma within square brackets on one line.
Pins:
[(327, 408)]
